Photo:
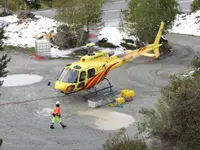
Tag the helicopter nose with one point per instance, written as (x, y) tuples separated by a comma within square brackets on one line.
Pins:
[(64, 87), (60, 86)]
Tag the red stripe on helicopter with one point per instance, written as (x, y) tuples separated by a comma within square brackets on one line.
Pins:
[(142, 49), (94, 81), (106, 72), (99, 77)]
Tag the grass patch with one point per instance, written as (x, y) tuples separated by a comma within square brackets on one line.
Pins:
[(29, 51)]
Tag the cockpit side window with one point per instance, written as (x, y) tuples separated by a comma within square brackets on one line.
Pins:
[(62, 74), (82, 76), (91, 73)]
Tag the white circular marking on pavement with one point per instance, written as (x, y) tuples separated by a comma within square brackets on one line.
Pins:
[(20, 79), (109, 120)]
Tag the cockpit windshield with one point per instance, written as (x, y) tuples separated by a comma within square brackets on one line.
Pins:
[(69, 75)]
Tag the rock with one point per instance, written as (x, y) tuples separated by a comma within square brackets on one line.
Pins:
[(4, 11), (4, 24), (25, 15), (28, 19)]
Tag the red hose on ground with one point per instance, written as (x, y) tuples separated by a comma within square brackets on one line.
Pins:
[(27, 101)]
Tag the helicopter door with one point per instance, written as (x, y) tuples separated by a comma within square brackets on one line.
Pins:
[(81, 79)]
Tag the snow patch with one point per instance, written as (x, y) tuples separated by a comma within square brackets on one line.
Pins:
[(20, 80), (59, 53), (189, 74), (114, 35), (109, 120), (22, 34), (187, 24)]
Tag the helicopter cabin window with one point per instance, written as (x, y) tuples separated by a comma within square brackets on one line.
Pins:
[(71, 76), (82, 76), (91, 73)]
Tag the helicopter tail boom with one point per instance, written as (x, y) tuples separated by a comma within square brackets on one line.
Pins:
[(157, 40), (151, 50), (155, 46), (147, 50), (159, 34)]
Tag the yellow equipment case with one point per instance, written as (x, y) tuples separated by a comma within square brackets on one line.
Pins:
[(127, 94)]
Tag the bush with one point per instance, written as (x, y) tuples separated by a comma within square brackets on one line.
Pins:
[(128, 40), (128, 46), (1, 141), (165, 49), (106, 44), (121, 141), (14, 5), (196, 62), (175, 120), (195, 5), (67, 37), (36, 4)]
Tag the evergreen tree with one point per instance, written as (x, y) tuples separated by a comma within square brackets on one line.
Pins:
[(4, 59), (195, 5), (3, 63), (143, 17)]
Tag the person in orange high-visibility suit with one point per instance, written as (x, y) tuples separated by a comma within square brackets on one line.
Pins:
[(57, 116)]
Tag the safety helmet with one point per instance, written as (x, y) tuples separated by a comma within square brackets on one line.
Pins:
[(57, 103)]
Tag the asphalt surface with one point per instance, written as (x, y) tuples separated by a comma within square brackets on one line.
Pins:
[(23, 128), (185, 5)]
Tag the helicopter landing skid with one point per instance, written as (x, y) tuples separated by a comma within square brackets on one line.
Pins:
[(96, 90)]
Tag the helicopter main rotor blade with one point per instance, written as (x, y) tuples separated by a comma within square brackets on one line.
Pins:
[(82, 48)]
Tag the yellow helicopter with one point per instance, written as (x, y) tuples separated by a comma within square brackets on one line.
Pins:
[(93, 68)]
